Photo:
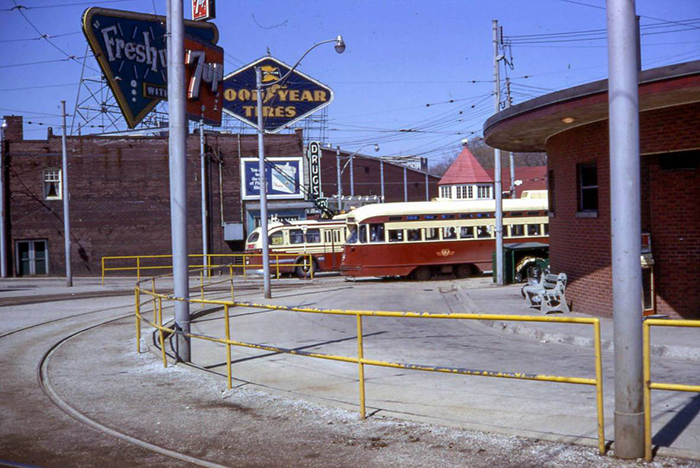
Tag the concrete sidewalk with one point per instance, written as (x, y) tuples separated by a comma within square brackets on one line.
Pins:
[(674, 342)]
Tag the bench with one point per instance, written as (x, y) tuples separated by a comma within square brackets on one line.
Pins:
[(548, 294)]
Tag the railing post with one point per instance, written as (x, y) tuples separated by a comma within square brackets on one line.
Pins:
[(646, 343), (103, 271), (277, 260), (153, 290), (231, 273), (138, 319), (311, 265), (361, 366), (599, 387), (138, 269), (245, 259), (160, 331), (201, 287), (228, 348)]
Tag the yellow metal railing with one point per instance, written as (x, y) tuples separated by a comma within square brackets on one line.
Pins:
[(277, 262), (649, 385), (360, 360)]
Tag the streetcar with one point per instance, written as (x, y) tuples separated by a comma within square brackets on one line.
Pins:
[(299, 247), (422, 239)]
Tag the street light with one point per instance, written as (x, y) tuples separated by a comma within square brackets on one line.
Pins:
[(339, 48), (340, 171), (3, 252)]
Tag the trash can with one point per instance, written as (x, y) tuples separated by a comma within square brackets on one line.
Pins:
[(537, 252)]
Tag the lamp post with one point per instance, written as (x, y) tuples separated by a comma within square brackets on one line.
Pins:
[(3, 250), (339, 48)]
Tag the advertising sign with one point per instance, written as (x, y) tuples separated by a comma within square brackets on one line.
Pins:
[(130, 48), (204, 75), (283, 177), (203, 10), (283, 103), (313, 154)]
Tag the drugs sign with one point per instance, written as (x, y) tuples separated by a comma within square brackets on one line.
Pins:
[(313, 153), (131, 50), (284, 102)]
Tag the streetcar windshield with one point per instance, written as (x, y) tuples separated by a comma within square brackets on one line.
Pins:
[(253, 237), (352, 234)]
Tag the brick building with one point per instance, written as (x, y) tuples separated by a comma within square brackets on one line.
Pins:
[(572, 127), (120, 201)]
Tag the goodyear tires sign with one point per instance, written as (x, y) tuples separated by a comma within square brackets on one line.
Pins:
[(284, 102)]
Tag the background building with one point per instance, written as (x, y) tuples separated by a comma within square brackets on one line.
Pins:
[(572, 126), (120, 200)]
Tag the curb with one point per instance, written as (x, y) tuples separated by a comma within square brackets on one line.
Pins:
[(529, 331)]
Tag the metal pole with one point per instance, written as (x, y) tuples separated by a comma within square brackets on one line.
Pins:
[(381, 174), (405, 185), (511, 159), (352, 175), (625, 215), (263, 187), (178, 175), (427, 188), (66, 210), (497, 164), (3, 241), (338, 176), (205, 224)]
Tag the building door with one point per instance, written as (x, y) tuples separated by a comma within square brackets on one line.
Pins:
[(32, 258)]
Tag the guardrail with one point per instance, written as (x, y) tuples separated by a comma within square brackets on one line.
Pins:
[(649, 385), (359, 359), (277, 261)]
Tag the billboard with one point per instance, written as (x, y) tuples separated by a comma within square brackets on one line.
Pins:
[(283, 103), (284, 177), (130, 48)]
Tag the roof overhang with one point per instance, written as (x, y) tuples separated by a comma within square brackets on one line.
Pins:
[(528, 125)]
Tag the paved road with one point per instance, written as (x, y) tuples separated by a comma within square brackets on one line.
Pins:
[(98, 373)]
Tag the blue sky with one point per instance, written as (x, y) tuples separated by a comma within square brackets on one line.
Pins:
[(416, 77)]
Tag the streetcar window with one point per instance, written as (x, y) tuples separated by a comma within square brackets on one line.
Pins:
[(296, 236), (413, 234), (327, 237), (517, 230), (412, 218), (432, 234), (363, 233), (395, 235), (277, 238), (313, 236), (465, 215), (447, 216), (394, 218), (429, 217), (483, 232), (449, 232), (253, 237), (376, 233), (466, 232), (533, 229), (546, 229), (352, 234)]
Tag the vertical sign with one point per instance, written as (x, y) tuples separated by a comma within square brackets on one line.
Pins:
[(204, 70), (203, 10), (313, 153)]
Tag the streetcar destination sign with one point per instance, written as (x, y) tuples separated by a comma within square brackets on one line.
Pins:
[(284, 103), (131, 50)]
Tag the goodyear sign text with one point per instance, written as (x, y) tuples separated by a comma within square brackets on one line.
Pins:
[(284, 102)]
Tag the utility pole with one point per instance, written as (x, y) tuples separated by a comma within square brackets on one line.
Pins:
[(66, 210), (3, 241), (178, 176), (405, 185), (338, 175), (352, 175), (497, 161), (381, 175), (263, 189), (427, 187), (511, 159), (625, 215), (205, 225)]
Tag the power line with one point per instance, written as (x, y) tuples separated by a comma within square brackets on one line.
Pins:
[(40, 37), (22, 7), (26, 64)]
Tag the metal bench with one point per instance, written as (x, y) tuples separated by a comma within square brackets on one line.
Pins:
[(548, 294)]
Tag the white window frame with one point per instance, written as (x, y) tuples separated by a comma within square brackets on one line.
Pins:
[(52, 176)]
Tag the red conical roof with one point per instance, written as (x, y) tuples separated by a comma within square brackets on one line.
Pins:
[(465, 170)]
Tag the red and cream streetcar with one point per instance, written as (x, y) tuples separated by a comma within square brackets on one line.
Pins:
[(291, 243), (425, 238)]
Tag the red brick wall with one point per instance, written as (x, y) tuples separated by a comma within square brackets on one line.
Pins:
[(367, 178), (580, 247)]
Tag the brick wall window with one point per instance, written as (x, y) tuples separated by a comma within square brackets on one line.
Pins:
[(587, 182), (52, 184), (551, 191)]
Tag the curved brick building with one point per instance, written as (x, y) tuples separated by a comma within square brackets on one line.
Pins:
[(572, 127)]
